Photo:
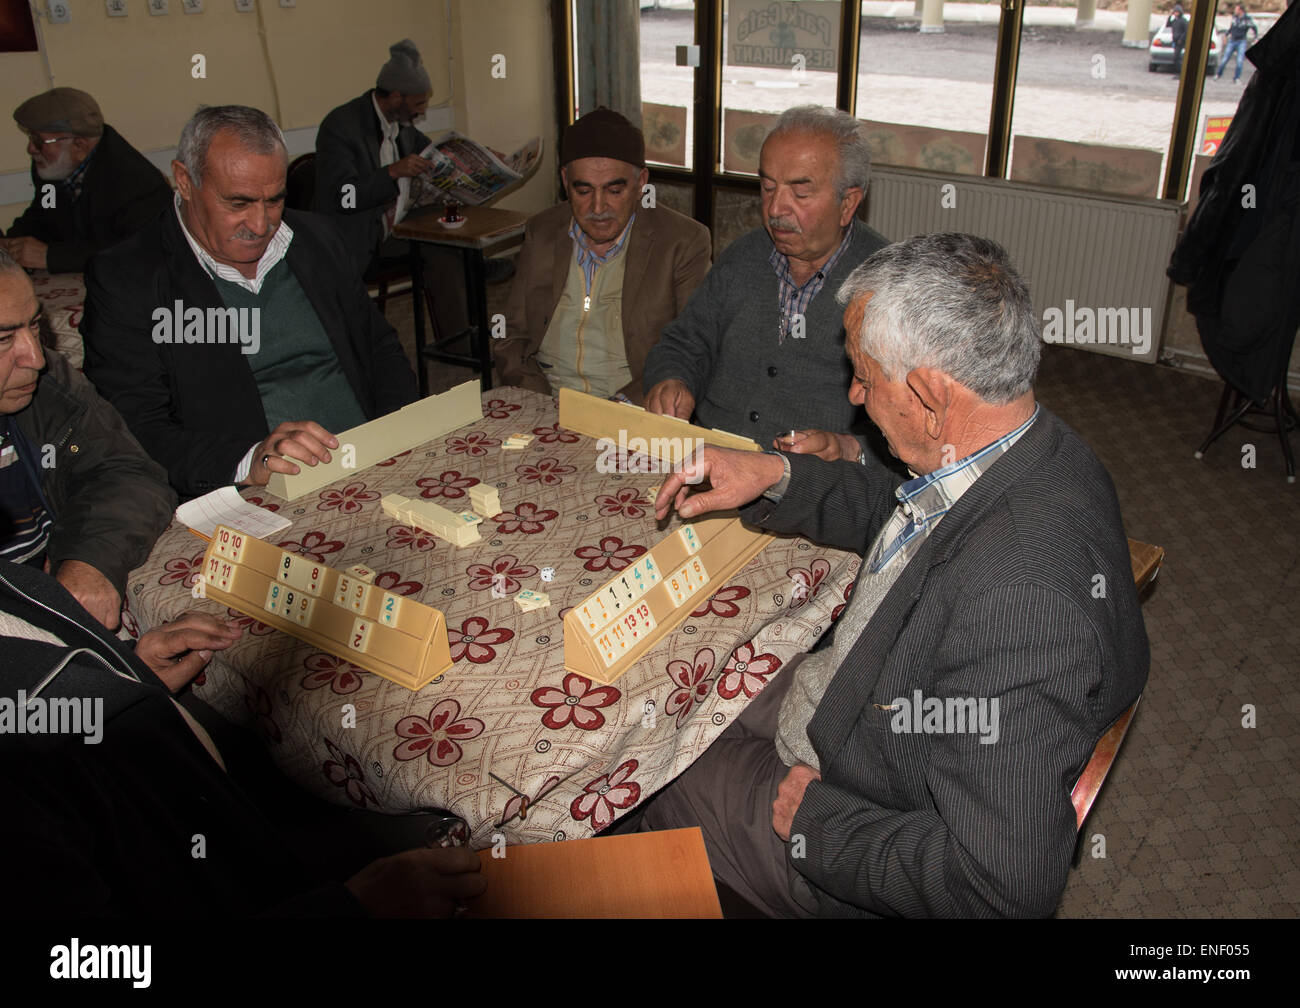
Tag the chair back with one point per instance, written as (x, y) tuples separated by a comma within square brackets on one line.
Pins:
[(1094, 774), (300, 184)]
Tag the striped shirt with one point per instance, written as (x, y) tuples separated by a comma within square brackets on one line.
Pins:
[(794, 300), (924, 500), (590, 261), (24, 522), (275, 250)]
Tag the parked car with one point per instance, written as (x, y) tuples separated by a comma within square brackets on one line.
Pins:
[(1161, 52)]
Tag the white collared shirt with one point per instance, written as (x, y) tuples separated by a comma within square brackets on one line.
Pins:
[(388, 145), (276, 250)]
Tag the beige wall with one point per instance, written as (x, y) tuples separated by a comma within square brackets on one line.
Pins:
[(321, 53)]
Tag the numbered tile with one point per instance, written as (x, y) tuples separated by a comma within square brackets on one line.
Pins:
[(274, 595), (360, 572), (639, 622), (313, 578), (343, 591), (613, 599), (607, 648), (624, 586), (360, 637), (620, 636), (302, 610), (222, 539), (595, 614), (389, 609), (236, 549), (688, 537), (359, 596)]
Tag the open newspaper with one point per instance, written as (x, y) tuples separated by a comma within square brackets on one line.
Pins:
[(467, 172)]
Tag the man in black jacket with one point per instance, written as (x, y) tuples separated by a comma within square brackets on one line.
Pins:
[(93, 189), (118, 803), (222, 321), (77, 493)]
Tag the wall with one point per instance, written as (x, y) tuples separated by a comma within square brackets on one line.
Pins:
[(321, 54)]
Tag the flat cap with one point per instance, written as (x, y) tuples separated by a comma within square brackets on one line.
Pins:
[(602, 133), (63, 110)]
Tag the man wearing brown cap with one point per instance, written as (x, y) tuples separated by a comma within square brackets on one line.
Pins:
[(600, 275), (92, 187)]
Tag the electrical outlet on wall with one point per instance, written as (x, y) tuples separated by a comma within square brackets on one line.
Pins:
[(192, 6), (245, 6), (58, 12), (115, 8), (157, 7)]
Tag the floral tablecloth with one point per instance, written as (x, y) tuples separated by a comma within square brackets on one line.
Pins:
[(506, 739), (62, 295)]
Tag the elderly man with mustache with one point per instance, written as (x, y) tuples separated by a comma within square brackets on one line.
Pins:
[(601, 274), (232, 335), (760, 344)]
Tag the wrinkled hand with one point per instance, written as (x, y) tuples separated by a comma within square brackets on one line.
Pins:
[(409, 167), (671, 397), (178, 651), (303, 440), (94, 591), (789, 796), (732, 478), (826, 446), (26, 251), (419, 883)]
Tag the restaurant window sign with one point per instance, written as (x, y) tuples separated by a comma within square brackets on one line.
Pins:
[(798, 35)]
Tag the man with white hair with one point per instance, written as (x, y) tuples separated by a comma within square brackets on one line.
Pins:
[(232, 322), (93, 189), (759, 348), (923, 764)]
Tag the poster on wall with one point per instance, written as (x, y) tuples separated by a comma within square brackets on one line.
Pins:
[(1120, 171), (790, 34), (951, 152), (743, 135), (17, 30), (664, 127)]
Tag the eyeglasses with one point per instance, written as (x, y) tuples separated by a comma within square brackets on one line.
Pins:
[(38, 142)]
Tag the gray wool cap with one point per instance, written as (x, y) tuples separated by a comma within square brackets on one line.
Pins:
[(404, 72)]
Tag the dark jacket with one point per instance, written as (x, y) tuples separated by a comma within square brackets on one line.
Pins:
[(110, 829), (347, 153), (196, 407), (1002, 602), (108, 500), (121, 193), (1240, 254)]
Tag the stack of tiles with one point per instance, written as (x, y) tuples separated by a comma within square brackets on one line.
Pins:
[(485, 499), (516, 442), (459, 529)]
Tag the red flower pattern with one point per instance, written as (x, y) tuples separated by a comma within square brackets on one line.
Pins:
[(393, 461), (602, 796), (475, 444), (328, 670), (349, 500), (518, 805), (474, 640), (314, 546), (390, 581), (554, 435), (723, 602), (547, 471), (746, 671), (182, 571), (450, 484), (611, 554), (848, 590), (574, 702), (265, 505), (438, 736), (482, 576), (254, 627), (626, 502), (345, 772), (407, 535), (806, 582), (499, 409), (524, 518), (692, 680)]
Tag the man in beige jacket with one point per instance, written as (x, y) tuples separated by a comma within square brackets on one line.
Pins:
[(600, 275)]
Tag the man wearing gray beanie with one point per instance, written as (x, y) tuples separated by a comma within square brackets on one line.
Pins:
[(601, 274), (367, 151)]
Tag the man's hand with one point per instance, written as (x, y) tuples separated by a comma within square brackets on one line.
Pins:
[(671, 397), (178, 651), (26, 251), (826, 446), (409, 167), (789, 796), (89, 587), (419, 883), (734, 478), (303, 440)]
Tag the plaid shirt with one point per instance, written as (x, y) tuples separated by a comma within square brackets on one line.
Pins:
[(77, 178), (926, 499), (588, 260), (794, 300)]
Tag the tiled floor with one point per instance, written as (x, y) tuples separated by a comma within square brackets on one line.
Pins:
[(1200, 814)]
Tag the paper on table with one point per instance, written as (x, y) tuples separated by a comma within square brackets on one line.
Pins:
[(226, 507)]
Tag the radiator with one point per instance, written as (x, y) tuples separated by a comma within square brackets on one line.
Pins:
[(1095, 264)]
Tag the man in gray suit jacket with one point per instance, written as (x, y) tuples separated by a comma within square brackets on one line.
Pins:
[(922, 765)]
